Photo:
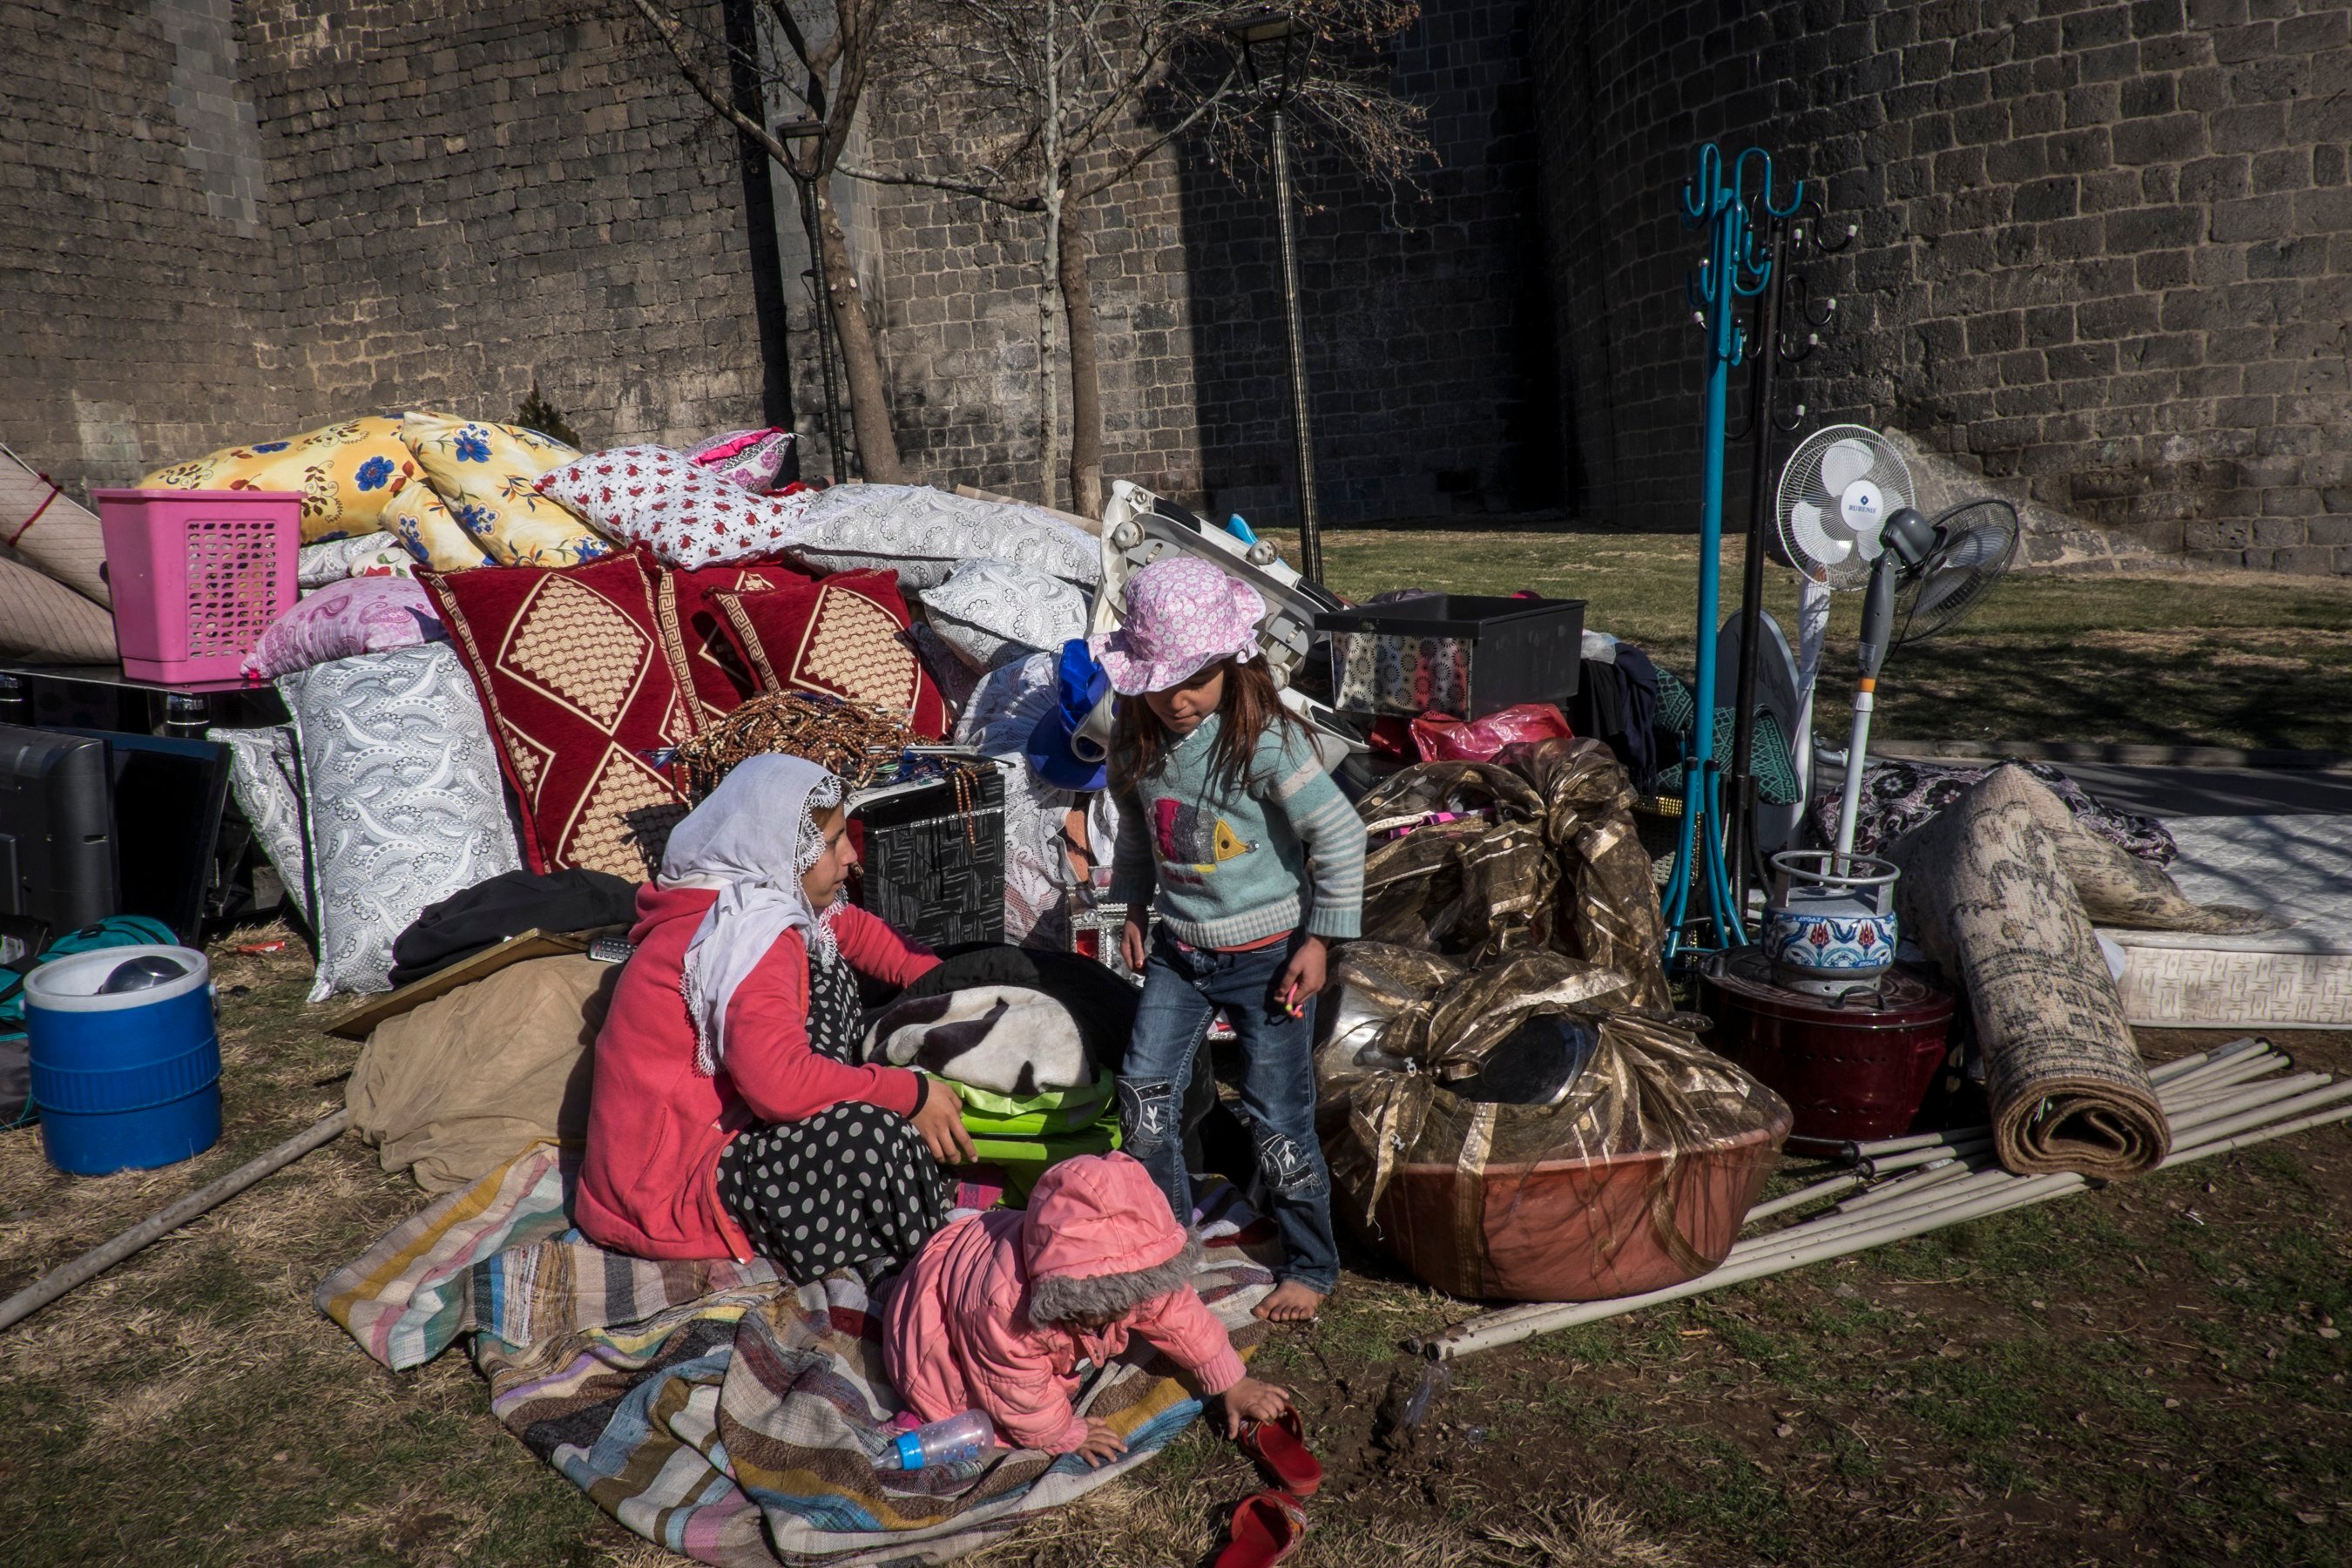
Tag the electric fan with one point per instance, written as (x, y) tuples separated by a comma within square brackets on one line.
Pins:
[(1846, 521)]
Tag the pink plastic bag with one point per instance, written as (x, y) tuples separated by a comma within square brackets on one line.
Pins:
[(1442, 738)]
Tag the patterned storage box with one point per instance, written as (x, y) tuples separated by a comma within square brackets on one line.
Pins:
[(932, 867)]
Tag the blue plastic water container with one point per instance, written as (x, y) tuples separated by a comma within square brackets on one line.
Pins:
[(126, 1081)]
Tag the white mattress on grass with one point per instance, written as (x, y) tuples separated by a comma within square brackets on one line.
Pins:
[(2299, 977)]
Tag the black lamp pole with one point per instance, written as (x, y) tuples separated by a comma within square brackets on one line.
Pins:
[(1286, 45), (790, 132)]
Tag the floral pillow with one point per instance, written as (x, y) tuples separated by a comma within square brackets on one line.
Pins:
[(347, 473), (488, 474), (683, 511), (754, 459), (420, 520), (358, 615)]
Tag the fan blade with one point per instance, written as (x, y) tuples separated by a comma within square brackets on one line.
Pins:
[(1844, 462), (1976, 547), (1809, 535), (1938, 588)]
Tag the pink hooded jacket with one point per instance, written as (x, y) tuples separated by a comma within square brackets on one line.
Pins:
[(961, 1331)]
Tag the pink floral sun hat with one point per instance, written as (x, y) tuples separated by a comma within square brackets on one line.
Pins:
[(1182, 616)]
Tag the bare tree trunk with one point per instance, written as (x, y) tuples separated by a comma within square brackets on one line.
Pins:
[(1049, 378), (1086, 384), (869, 399)]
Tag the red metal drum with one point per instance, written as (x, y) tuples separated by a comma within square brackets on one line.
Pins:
[(1857, 1067)]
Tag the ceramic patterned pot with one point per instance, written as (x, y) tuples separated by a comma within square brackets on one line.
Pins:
[(1833, 925)]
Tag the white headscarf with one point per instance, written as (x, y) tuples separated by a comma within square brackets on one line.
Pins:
[(751, 839)]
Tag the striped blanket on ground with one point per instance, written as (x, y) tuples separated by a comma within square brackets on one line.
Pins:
[(712, 1408)]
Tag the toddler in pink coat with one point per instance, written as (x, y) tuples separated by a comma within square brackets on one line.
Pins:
[(999, 1311)]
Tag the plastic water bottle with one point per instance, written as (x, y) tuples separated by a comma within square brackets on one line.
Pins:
[(954, 1441)]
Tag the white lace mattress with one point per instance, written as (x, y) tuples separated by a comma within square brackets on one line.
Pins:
[(2297, 977)]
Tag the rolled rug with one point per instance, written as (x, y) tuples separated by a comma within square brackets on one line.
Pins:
[(1989, 890), (43, 621), (48, 528)]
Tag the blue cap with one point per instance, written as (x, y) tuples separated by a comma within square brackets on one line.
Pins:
[(1083, 684), (910, 1450)]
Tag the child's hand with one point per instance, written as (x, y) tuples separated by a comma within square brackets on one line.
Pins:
[(1251, 1400), (1302, 977), (1134, 942), (1102, 1445)]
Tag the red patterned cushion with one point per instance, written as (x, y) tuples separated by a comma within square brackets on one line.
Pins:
[(845, 634), (581, 671), (720, 678)]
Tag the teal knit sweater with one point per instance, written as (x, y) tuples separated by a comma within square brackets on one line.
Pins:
[(1230, 867)]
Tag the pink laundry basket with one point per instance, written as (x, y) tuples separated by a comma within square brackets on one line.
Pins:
[(197, 576)]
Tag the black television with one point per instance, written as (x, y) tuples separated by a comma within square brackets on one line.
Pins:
[(57, 853), (168, 796)]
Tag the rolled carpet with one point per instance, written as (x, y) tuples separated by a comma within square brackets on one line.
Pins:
[(49, 529), (1995, 889), (42, 621)]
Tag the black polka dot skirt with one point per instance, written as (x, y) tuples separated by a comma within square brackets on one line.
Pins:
[(852, 1187)]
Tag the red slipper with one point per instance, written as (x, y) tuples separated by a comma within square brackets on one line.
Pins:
[(1280, 1446), (1267, 1528)]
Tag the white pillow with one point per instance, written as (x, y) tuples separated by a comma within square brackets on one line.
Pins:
[(266, 778), (991, 611), (923, 534), (687, 514), (401, 797)]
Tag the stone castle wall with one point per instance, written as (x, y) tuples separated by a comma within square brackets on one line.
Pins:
[(2104, 255)]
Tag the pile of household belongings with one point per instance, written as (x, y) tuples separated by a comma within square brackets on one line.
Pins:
[(1507, 1102), (504, 644)]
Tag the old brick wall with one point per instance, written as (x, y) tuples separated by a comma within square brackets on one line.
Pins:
[(2106, 250), (1427, 322), (223, 222)]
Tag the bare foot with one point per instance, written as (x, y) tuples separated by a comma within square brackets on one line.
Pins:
[(1290, 1303)]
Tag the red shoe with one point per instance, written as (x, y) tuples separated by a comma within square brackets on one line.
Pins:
[(1267, 1528), (1280, 1446)]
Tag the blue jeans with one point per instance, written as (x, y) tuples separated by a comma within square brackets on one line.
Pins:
[(1182, 989)]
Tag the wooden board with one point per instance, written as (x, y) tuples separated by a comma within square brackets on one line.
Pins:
[(361, 1021)]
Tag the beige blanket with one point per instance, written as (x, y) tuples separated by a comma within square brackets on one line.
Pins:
[(457, 1088)]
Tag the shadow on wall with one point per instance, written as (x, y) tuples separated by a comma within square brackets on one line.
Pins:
[(1432, 374)]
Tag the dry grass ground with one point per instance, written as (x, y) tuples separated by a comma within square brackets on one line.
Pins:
[(2155, 1373)]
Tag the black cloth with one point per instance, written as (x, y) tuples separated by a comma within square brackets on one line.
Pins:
[(1618, 703), (1104, 1006), (852, 1187), (509, 904)]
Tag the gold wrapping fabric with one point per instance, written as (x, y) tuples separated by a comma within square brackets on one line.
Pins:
[(1638, 1178), (1555, 865)]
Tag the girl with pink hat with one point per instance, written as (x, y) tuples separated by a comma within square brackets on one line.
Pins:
[(1231, 829)]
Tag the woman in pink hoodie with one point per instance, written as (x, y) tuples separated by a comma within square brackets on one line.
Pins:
[(1000, 1310)]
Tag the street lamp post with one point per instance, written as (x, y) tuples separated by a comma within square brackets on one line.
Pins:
[(1274, 50), (793, 132)]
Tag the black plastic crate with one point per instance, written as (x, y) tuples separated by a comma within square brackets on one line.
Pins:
[(931, 869), (1463, 654)]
